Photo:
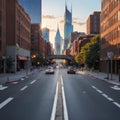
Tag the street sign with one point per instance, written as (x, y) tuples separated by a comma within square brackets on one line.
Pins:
[(110, 54)]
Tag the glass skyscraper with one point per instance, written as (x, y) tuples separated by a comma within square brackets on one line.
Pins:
[(68, 27), (33, 8), (58, 42)]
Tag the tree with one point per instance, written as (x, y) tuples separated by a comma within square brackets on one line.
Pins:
[(92, 58), (89, 53)]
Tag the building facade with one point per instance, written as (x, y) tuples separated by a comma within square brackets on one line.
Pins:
[(33, 8), (110, 36), (68, 27), (45, 34), (2, 34), (37, 42), (93, 23), (17, 27)]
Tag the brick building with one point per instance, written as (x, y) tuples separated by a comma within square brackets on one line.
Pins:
[(17, 30), (110, 36), (2, 34), (93, 23), (36, 39)]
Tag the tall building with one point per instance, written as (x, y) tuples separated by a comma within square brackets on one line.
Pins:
[(45, 34), (33, 8), (58, 42), (74, 36), (93, 23), (2, 34), (18, 30), (110, 36), (15, 27), (68, 27)]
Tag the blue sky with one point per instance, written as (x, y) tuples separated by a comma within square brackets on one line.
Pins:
[(33, 8)]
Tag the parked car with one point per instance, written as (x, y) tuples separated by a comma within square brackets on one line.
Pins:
[(71, 70), (49, 70)]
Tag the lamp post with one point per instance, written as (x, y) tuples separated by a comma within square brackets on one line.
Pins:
[(4, 64), (110, 55)]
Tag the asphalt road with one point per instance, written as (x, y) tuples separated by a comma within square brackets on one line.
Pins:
[(90, 99), (30, 99), (33, 98)]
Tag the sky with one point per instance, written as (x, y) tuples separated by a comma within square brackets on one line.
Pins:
[(53, 14)]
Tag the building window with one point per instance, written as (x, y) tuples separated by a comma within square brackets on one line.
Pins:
[(0, 44), (0, 32), (119, 15)]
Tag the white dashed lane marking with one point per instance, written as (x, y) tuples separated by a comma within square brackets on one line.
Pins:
[(33, 81), (22, 79), (22, 89), (6, 102), (106, 96), (115, 88)]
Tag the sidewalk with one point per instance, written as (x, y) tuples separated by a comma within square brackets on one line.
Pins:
[(12, 77), (103, 76)]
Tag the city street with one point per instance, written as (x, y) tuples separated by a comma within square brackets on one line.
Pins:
[(84, 97)]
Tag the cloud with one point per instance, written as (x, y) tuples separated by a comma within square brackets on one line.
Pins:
[(61, 21), (48, 17), (52, 30), (75, 18), (78, 23)]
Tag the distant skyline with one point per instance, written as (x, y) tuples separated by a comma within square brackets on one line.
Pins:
[(53, 14)]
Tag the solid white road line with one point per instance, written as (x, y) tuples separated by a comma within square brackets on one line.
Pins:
[(54, 104), (5, 102), (33, 82), (22, 89), (64, 102)]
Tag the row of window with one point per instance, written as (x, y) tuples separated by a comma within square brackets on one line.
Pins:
[(22, 19), (22, 31), (114, 34), (112, 5), (109, 9), (0, 44), (111, 21), (22, 42), (114, 48)]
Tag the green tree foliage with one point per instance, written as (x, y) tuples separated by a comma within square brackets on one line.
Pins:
[(89, 53)]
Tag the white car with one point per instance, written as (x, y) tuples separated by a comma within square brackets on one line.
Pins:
[(49, 70)]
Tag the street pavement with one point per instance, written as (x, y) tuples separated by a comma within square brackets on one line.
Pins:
[(103, 76), (12, 77)]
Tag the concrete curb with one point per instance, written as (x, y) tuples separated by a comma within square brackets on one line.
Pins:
[(106, 80)]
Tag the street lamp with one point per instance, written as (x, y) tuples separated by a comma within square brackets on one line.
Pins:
[(110, 55), (4, 62)]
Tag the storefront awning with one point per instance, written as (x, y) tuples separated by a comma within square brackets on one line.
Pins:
[(22, 58)]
